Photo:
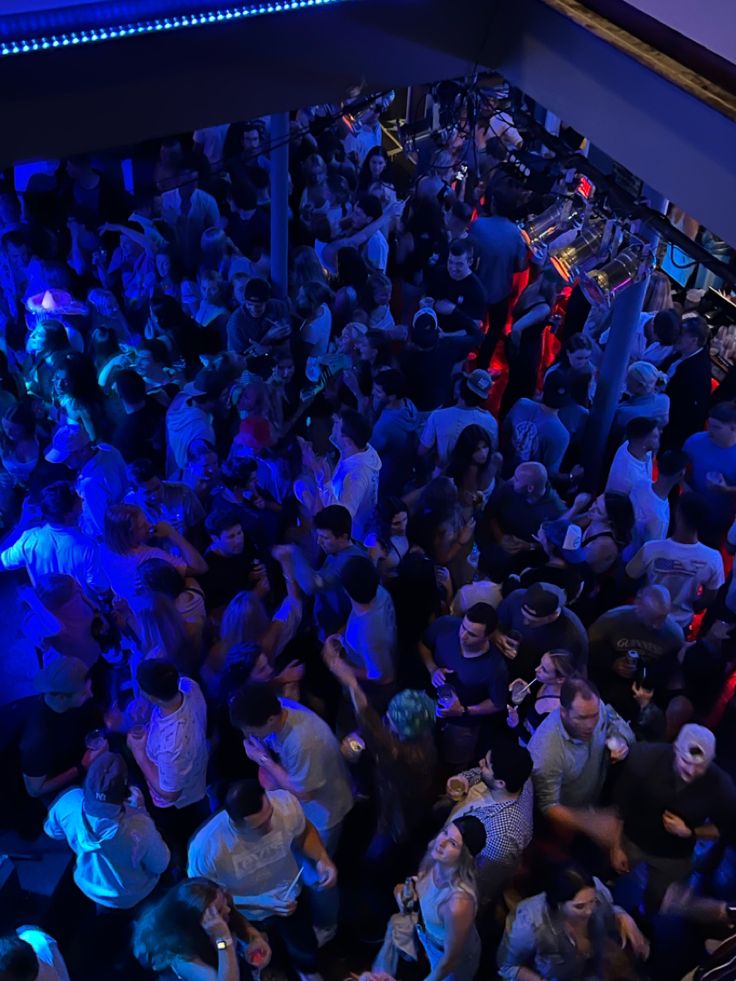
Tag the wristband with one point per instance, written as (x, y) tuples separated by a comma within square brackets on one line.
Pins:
[(731, 914), (222, 943)]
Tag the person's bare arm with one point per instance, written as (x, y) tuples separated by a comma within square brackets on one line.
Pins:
[(196, 565), (145, 243), (361, 237), (45, 785), (459, 917), (149, 769)]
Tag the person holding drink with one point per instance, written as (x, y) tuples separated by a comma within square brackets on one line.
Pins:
[(529, 708), (470, 677), (256, 847), (196, 933)]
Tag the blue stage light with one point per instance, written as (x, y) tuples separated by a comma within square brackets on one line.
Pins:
[(235, 12)]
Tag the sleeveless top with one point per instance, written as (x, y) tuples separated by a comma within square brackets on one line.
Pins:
[(431, 898)]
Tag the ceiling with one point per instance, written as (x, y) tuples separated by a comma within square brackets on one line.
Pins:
[(641, 106)]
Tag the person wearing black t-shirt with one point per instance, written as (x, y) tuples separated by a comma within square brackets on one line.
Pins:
[(458, 294), (470, 677), (669, 797), (53, 752), (232, 563), (142, 431)]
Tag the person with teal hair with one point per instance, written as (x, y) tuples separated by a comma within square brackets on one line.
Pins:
[(403, 748), (411, 714)]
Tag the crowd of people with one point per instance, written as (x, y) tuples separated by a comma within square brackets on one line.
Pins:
[(341, 646)]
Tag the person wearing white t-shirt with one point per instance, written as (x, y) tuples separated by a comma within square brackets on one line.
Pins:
[(443, 427), (650, 500), (632, 463), (31, 953), (58, 546), (297, 751), (311, 304), (254, 849), (172, 750), (354, 480), (691, 572)]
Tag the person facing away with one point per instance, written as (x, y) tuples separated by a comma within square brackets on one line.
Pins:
[(633, 460), (370, 632), (690, 571), (29, 954), (120, 855)]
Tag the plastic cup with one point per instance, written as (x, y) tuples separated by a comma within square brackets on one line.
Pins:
[(457, 787), (352, 746), (256, 955), (518, 690)]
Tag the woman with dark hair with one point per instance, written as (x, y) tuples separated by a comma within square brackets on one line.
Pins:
[(46, 344), (19, 446), (607, 527), (304, 268), (375, 168), (196, 933), (20, 453), (473, 468), (79, 398), (571, 932), (163, 634), (387, 544)]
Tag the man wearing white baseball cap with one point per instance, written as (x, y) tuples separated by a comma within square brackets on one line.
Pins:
[(668, 797)]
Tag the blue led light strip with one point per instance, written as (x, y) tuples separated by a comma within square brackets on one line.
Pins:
[(174, 23)]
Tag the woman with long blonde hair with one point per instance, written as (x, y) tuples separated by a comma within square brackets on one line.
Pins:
[(445, 898)]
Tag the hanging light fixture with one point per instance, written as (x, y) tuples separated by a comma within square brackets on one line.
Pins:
[(602, 286), (559, 218), (596, 241)]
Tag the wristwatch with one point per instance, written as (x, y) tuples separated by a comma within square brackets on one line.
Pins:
[(223, 943)]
